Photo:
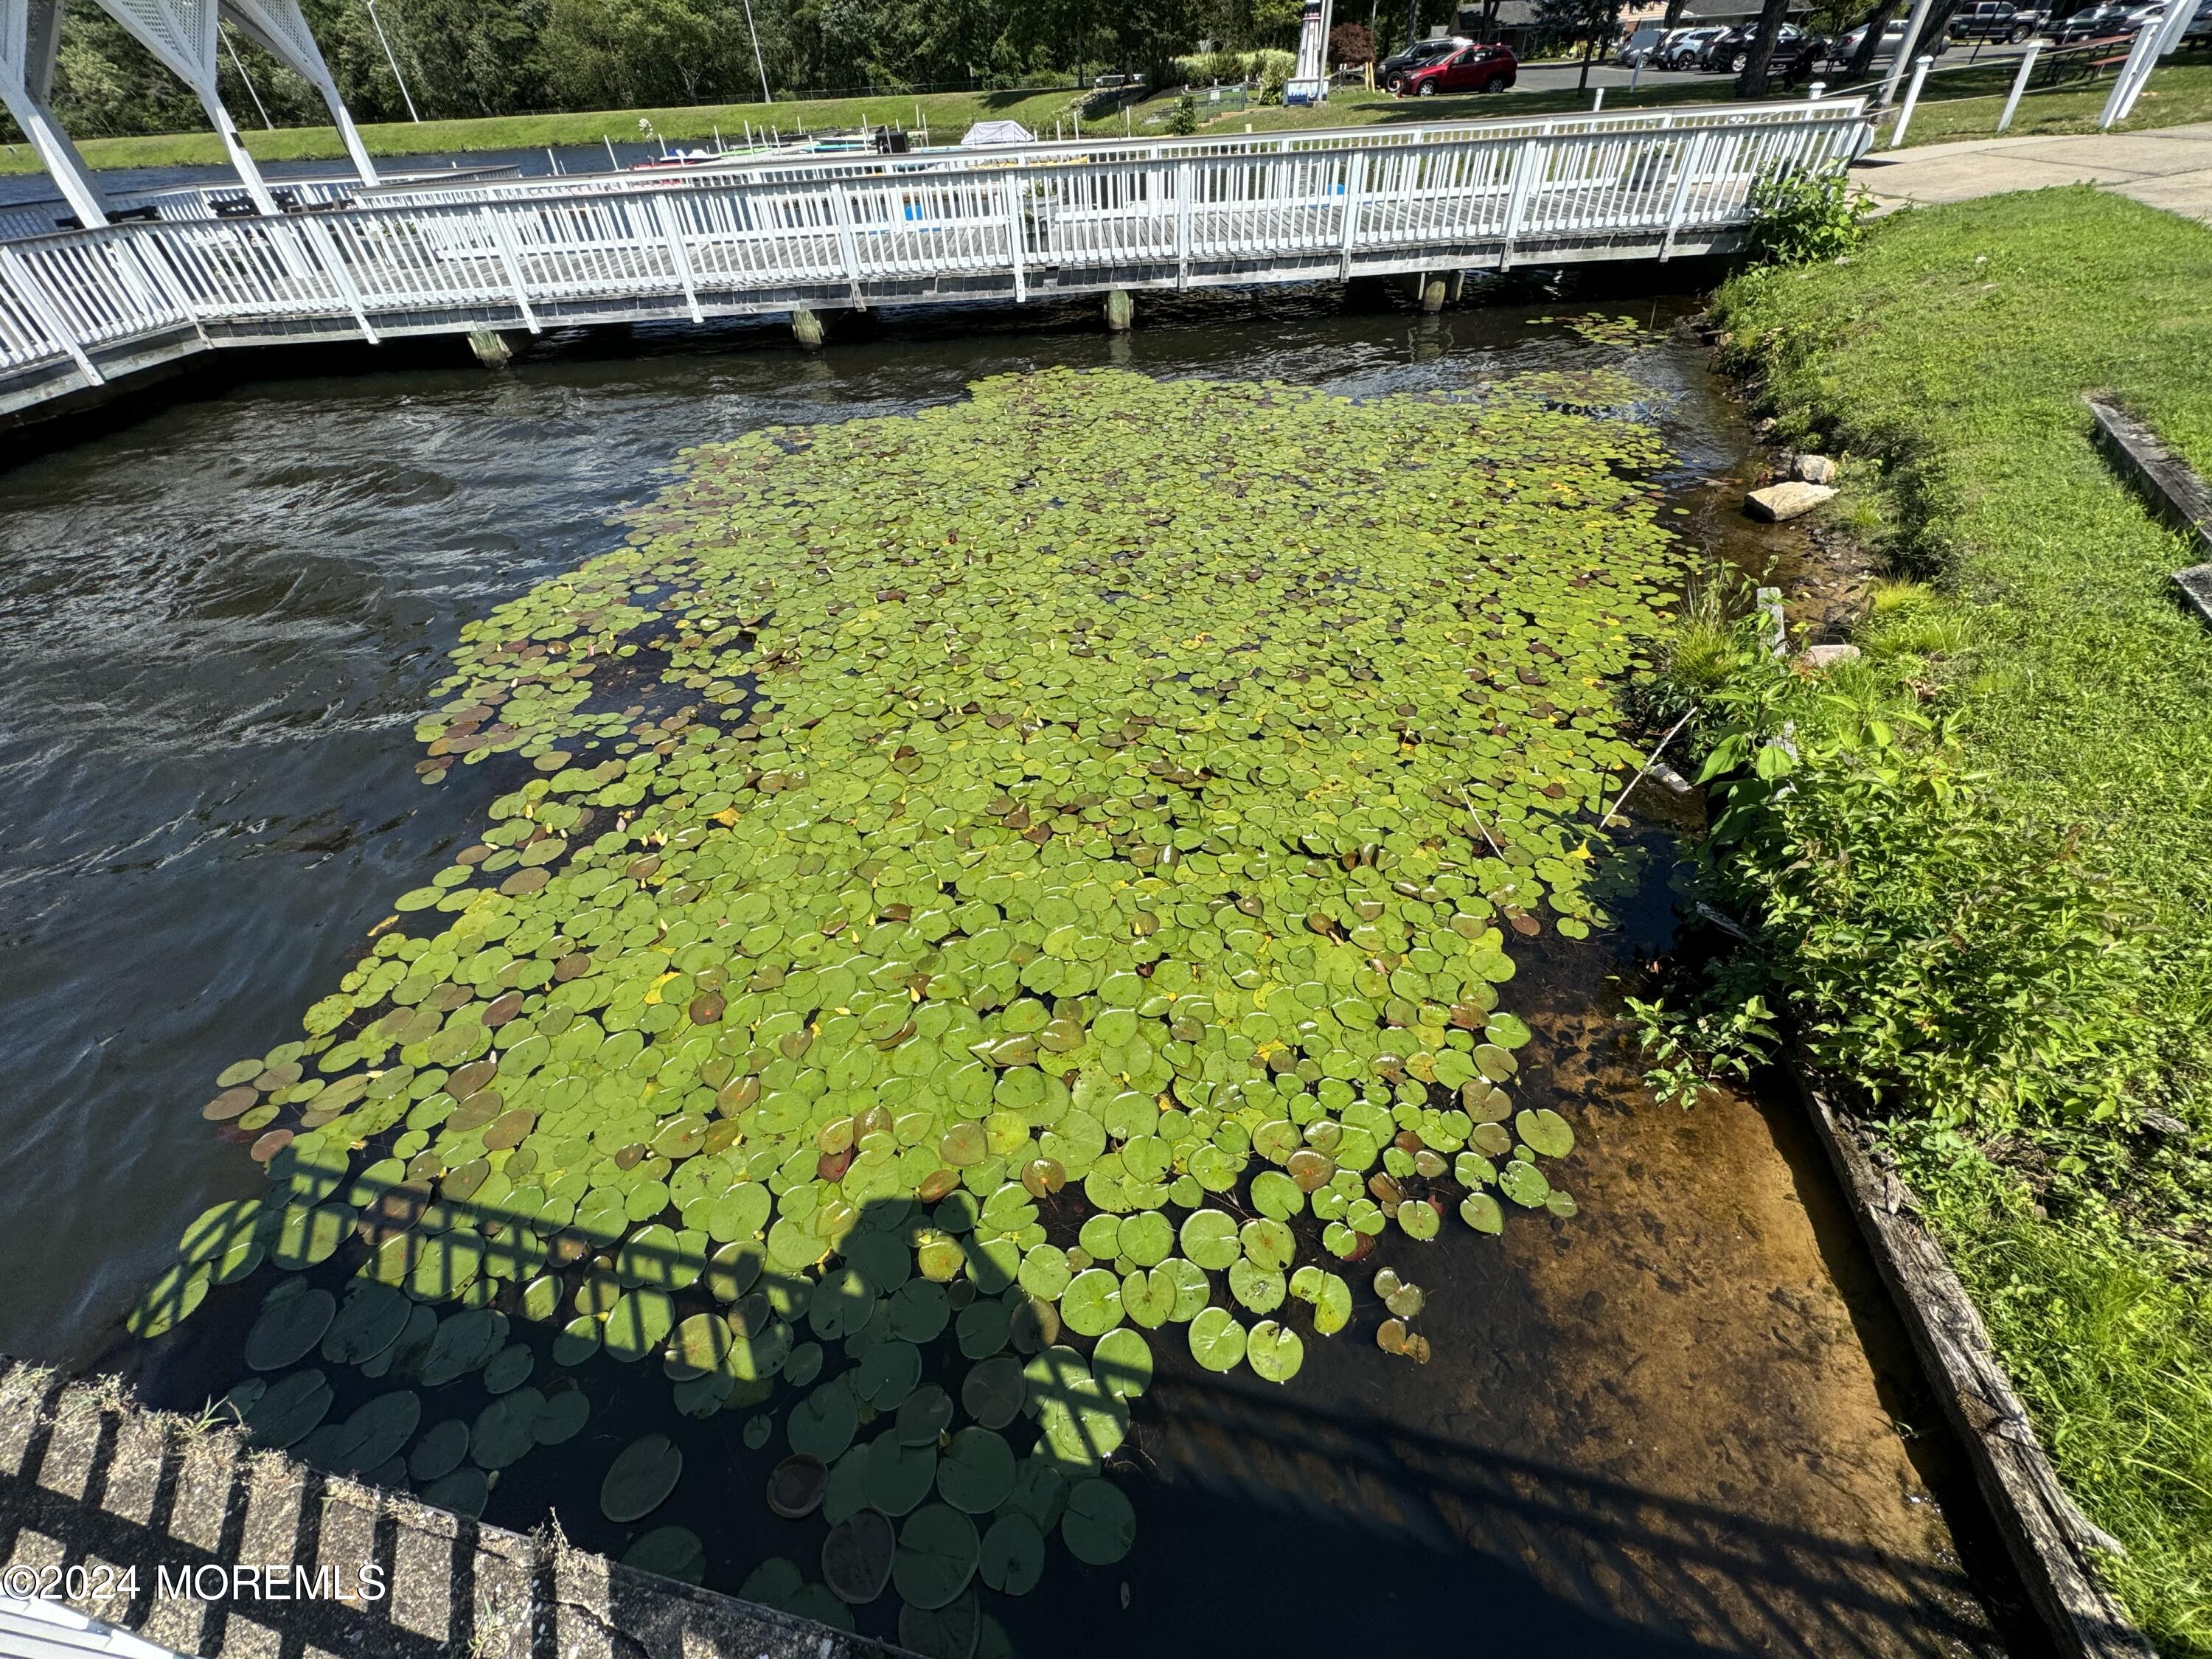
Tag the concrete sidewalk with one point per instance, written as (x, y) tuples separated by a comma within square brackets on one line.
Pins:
[(2166, 167)]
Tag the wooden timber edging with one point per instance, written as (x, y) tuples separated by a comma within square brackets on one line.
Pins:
[(2171, 485), (2053, 1544), (182, 1533)]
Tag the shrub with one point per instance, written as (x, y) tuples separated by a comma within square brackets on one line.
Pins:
[(1807, 218)]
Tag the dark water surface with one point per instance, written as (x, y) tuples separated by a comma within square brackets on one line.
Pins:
[(1681, 1422)]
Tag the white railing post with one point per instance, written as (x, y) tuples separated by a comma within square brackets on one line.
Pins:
[(2020, 83), (1182, 224), (1017, 232), (147, 251), (511, 261), (1355, 187), (1693, 154), (1525, 168), (35, 301), (665, 217), (841, 211), (1912, 98), (330, 257)]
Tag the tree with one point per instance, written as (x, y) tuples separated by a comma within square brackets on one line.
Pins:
[(1861, 63), (1350, 43), (1595, 23), (1752, 83)]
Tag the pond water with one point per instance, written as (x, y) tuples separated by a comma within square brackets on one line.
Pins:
[(1679, 1420)]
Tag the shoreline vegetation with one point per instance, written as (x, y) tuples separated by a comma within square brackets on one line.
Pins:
[(2179, 92), (1973, 857)]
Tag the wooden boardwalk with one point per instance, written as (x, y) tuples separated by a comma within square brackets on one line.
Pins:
[(81, 309)]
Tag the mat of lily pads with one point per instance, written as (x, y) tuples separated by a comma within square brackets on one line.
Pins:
[(981, 897)]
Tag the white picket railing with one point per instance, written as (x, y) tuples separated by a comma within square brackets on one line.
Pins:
[(1286, 207)]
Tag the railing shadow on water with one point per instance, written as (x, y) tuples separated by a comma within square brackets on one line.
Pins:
[(1661, 1571)]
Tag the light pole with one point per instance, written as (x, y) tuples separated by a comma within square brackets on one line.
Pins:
[(377, 23), (767, 97)]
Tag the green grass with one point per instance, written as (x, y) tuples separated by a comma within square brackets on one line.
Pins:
[(1959, 107), (949, 114), (2006, 936), (1966, 103)]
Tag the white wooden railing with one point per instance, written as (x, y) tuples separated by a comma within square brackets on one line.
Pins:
[(1257, 207)]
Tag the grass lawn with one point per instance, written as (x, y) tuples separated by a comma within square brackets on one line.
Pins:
[(1966, 103), (949, 115), (2018, 959), (1961, 105)]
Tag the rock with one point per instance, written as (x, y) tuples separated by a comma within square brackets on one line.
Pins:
[(1814, 469), (1786, 501), (1827, 656)]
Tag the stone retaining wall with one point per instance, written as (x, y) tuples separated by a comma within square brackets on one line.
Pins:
[(181, 1532)]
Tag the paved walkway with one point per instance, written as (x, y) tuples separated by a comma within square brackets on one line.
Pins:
[(2168, 167)]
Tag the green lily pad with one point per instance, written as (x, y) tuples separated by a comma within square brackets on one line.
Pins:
[(440, 1451), (1217, 1340), (506, 1429), (1524, 1183), (994, 1391), (289, 1330), (899, 1476), (936, 1557), (1481, 1211), (640, 1478), (290, 1409), (856, 1557), (1545, 1131), (367, 1324), (464, 1491), (976, 1472), (1122, 1362), (1091, 1305), (1209, 1239), (673, 1553), (1011, 1558), (1273, 1351), (1099, 1526)]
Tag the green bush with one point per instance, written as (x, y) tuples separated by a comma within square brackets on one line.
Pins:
[(1806, 218), (1184, 118)]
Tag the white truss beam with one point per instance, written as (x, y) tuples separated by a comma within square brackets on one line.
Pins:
[(29, 31), (277, 27), (181, 35)]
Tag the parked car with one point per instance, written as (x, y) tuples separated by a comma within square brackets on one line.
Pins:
[(2098, 22), (1471, 69), (2199, 32), (1845, 47), (1991, 20), (1795, 53), (1684, 47), (1639, 48), (1422, 53)]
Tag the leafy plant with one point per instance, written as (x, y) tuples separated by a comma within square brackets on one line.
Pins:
[(1727, 1031), (1184, 118), (1274, 77), (1807, 218)]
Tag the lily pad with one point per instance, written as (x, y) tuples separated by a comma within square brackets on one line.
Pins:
[(856, 1557), (936, 1557), (640, 1478), (1217, 1340), (1545, 1131), (671, 1552), (1011, 1558), (289, 1330), (1274, 1351), (1099, 1526), (976, 1472)]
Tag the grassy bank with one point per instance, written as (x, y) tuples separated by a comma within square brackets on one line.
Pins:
[(1983, 885), (949, 114), (1961, 107)]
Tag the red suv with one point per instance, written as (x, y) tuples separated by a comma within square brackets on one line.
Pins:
[(1471, 69)]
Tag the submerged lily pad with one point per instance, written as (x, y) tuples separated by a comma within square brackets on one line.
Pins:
[(1099, 1526), (936, 1556), (673, 1551), (856, 1557), (640, 1478)]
